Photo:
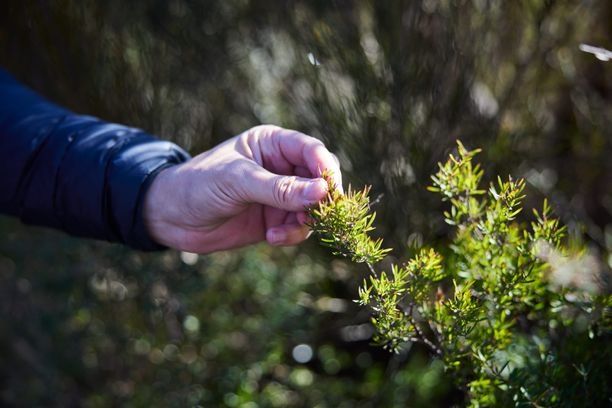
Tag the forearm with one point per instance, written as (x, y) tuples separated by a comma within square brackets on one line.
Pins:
[(75, 172)]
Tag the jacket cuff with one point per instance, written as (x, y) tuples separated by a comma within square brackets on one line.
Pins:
[(128, 181), (139, 237)]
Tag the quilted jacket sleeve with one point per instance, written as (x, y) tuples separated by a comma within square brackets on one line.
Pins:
[(74, 172)]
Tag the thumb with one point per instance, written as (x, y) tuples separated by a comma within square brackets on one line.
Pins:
[(289, 193)]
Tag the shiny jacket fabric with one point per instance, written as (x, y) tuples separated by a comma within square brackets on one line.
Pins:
[(75, 172)]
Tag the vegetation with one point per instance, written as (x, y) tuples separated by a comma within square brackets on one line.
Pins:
[(388, 86), (517, 316), (342, 222)]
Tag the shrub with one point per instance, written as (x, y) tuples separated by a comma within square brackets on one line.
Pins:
[(517, 314)]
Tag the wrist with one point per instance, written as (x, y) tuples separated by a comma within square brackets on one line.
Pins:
[(159, 204)]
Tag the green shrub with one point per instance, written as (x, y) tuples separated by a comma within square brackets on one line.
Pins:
[(518, 315)]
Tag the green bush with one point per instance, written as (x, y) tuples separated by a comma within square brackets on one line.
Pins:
[(517, 315), (388, 86)]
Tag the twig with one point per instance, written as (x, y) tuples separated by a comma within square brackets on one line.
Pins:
[(425, 340), (372, 270)]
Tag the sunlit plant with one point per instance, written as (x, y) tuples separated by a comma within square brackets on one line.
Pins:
[(342, 222), (517, 315)]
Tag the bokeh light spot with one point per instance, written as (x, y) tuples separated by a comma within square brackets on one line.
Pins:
[(302, 353), (189, 258), (191, 324)]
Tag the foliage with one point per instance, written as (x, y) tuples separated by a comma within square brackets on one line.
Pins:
[(386, 85), (495, 311), (105, 326), (342, 222)]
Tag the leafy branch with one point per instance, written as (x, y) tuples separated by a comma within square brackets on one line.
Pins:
[(342, 222), (503, 309)]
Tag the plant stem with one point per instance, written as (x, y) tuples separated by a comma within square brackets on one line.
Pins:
[(371, 267)]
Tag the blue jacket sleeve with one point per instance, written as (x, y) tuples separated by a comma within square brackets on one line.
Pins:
[(74, 172)]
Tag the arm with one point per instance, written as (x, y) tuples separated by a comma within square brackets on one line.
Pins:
[(75, 172), (107, 181)]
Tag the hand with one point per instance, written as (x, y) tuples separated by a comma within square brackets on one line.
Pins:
[(252, 187)]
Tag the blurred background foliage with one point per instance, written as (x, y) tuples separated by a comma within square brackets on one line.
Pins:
[(388, 86)]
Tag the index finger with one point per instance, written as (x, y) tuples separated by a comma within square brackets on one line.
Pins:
[(306, 151)]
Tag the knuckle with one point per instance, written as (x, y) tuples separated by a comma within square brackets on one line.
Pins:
[(284, 189), (265, 129), (313, 145)]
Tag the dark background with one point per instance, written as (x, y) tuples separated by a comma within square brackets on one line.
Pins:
[(388, 86)]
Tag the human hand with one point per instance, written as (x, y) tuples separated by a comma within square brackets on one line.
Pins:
[(252, 187)]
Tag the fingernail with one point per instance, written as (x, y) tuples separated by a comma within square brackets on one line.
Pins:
[(303, 218), (276, 236), (314, 191)]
